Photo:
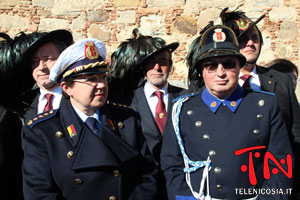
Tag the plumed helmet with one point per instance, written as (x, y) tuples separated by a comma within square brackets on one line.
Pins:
[(15, 77), (219, 40), (127, 62), (239, 22)]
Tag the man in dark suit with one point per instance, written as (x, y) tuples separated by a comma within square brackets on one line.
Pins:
[(149, 62), (211, 135), (41, 56), (88, 148), (260, 78)]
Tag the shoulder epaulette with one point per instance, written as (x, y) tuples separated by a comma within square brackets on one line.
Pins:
[(264, 92), (41, 117), (122, 106), (185, 95)]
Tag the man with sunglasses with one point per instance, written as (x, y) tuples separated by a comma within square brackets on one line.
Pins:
[(209, 135), (89, 148)]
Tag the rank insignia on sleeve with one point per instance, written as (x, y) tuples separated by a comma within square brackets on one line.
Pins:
[(71, 131)]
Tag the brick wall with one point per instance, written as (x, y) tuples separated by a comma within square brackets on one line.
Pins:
[(112, 21)]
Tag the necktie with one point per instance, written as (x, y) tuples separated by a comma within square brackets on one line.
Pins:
[(48, 106), (246, 79), (160, 112), (91, 122)]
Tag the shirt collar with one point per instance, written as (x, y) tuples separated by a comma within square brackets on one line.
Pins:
[(253, 73), (56, 91), (232, 102), (149, 90), (83, 116)]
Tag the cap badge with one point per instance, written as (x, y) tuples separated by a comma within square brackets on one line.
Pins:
[(219, 36), (243, 24), (91, 51)]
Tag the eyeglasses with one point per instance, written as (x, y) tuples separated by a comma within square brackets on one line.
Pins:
[(93, 80), (213, 66)]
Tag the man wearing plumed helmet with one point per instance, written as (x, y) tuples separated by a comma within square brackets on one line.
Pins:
[(206, 130)]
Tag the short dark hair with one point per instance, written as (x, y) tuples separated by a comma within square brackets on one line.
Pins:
[(69, 82), (283, 65)]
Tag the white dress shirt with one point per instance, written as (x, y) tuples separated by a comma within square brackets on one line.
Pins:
[(152, 98), (57, 95), (254, 80)]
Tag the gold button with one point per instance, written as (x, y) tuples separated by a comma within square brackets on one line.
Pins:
[(217, 170), (206, 137), (261, 102), (29, 122), (112, 198), (70, 154), (219, 187), (116, 173), (212, 153), (120, 125), (256, 132), (78, 181), (270, 82), (198, 123), (189, 112), (59, 134), (259, 116)]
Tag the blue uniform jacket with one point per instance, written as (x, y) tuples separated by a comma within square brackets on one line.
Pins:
[(65, 160), (212, 128)]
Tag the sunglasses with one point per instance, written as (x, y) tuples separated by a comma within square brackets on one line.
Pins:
[(213, 66)]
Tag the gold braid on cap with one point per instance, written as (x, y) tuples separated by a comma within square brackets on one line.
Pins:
[(84, 67)]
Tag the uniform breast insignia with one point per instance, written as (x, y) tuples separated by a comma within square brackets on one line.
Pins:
[(115, 127), (111, 124), (71, 131), (41, 117), (122, 106)]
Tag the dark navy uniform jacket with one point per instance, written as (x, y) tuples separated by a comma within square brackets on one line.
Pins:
[(64, 159), (210, 127)]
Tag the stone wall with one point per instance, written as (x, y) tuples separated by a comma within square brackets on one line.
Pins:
[(112, 21)]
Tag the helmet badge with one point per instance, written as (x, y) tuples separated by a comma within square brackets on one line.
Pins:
[(219, 36), (243, 24)]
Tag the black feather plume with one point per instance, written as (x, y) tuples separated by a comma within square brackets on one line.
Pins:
[(15, 77), (125, 71)]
